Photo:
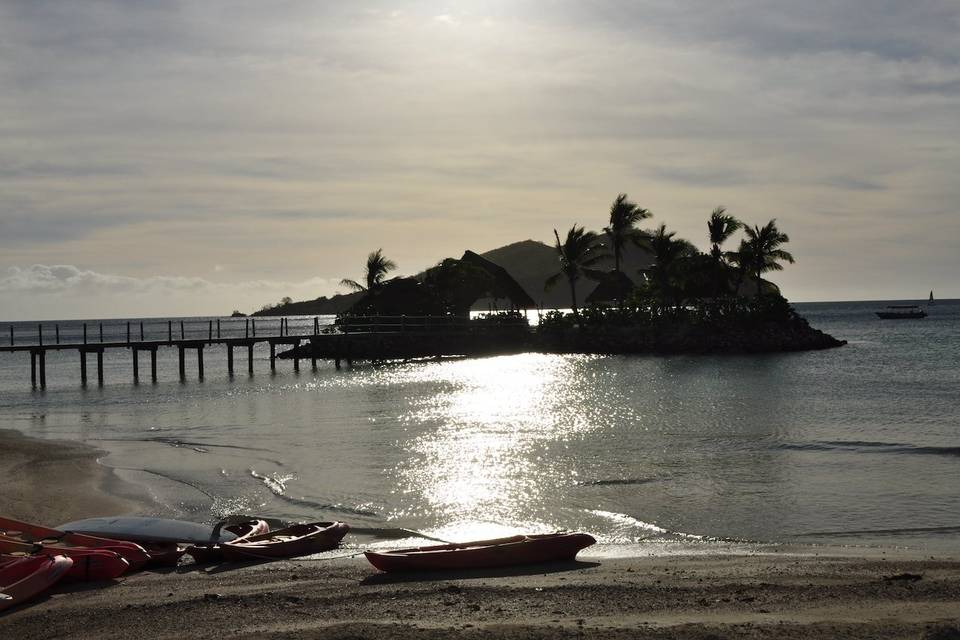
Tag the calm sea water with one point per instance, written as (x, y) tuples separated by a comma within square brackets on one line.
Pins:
[(857, 445)]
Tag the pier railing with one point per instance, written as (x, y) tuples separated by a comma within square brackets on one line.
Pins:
[(147, 336), (71, 334), (22, 336)]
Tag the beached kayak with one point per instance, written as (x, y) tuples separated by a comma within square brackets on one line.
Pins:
[(24, 578), (88, 564), (139, 529), (500, 552), (133, 553), (243, 531), (296, 540)]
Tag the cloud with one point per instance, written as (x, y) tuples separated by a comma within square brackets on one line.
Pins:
[(288, 139), (68, 291)]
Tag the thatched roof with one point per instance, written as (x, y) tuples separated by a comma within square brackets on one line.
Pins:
[(398, 296), (504, 284), (612, 287)]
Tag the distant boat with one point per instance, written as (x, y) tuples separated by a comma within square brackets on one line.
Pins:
[(931, 297), (902, 312)]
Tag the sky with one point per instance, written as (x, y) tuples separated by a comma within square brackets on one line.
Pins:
[(189, 158)]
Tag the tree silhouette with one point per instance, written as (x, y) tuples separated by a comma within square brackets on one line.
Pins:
[(761, 251), (624, 217), (720, 226), (580, 251), (669, 254), (376, 270)]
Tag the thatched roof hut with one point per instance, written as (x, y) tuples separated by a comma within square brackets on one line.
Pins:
[(504, 285)]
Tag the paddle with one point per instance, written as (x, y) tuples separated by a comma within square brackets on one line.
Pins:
[(420, 534)]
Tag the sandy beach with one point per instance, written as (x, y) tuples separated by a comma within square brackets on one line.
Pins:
[(786, 593), (769, 596), (51, 482)]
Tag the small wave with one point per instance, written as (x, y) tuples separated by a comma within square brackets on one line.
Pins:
[(277, 484), (946, 530), (176, 442), (604, 482), (870, 447), (631, 522)]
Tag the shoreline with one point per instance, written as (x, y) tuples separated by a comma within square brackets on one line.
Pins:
[(330, 596), (657, 591), (55, 481)]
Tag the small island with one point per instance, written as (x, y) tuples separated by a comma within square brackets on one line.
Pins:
[(629, 291)]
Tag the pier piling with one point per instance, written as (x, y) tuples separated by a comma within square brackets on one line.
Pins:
[(33, 369), (230, 360), (43, 369), (153, 365), (182, 361), (250, 359), (136, 366), (273, 356), (200, 360), (100, 367), (83, 368)]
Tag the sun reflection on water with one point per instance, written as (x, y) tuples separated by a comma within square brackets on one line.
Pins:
[(480, 470)]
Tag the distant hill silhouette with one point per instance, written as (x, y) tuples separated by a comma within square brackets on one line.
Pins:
[(321, 306), (530, 262)]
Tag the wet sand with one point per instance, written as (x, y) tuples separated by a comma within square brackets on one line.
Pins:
[(787, 593), (50, 482)]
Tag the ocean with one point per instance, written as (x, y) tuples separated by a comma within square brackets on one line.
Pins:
[(858, 445)]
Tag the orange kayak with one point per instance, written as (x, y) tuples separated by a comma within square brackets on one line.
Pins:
[(24, 578), (88, 564), (133, 553), (296, 540), (480, 554)]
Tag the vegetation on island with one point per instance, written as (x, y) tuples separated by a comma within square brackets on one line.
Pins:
[(377, 268), (678, 300), (686, 300)]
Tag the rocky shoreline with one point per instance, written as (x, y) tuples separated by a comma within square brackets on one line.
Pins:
[(794, 334)]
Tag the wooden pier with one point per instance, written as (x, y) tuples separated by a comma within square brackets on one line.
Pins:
[(366, 338), (93, 342)]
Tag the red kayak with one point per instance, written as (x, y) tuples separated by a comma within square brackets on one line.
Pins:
[(296, 540), (88, 564), (214, 552), (133, 553), (24, 578), (500, 552)]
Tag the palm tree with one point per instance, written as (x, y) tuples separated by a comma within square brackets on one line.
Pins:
[(580, 251), (624, 216), (720, 226), (668, 255), (376, 270), (761, 251)]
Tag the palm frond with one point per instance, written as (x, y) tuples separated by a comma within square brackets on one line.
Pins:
[(352, 284)]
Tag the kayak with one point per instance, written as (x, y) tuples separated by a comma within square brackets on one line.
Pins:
[(480, 554), (139, 529), (88, 564), (24, 578), (295, 540), (243, 531), (133, 553)]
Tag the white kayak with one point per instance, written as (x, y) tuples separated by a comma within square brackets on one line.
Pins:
[(137, 529)]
